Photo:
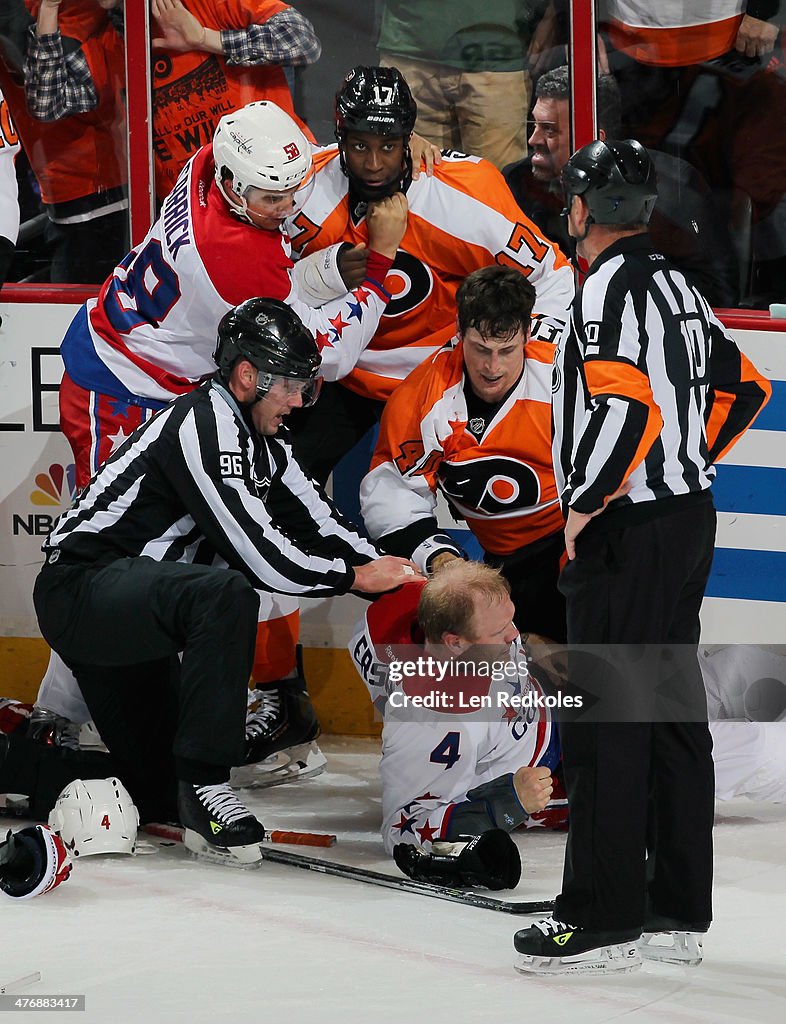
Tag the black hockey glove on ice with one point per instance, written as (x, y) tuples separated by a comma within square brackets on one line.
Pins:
[(490, 861)]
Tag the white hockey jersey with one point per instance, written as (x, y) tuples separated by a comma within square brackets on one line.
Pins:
[(151, 333), (432, 757)]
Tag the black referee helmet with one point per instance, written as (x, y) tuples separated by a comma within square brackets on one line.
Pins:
[(271, 336), (616, 180)]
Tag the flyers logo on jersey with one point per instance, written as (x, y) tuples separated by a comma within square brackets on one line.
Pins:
[(292, 151), (494, 486)]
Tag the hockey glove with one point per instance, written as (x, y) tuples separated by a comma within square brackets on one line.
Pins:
[(14, 715), (489, 861), (32, 861)]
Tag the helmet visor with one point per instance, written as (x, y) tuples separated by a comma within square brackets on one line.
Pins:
[(279, 205), (307, 387)]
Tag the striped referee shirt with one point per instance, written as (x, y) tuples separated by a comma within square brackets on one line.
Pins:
[(648, 385), (197, 484)]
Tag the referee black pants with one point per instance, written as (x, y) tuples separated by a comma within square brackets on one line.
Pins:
[(634, 784), (162, 652)]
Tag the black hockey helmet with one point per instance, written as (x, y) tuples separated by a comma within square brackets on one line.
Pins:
[(616, 180), (377, 100), (273, 338)]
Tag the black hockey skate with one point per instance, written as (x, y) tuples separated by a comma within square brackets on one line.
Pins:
[(217, 826), (281, 730), (554, 947)]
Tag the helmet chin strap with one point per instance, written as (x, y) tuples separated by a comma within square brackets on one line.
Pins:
[(366, 193), (240, 209), (587, 225), (575, 239)]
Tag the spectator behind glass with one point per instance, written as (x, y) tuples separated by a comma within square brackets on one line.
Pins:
[(686, 225), (213, 57), (79, 159), (467, 67), (9, 193), (712, 89)]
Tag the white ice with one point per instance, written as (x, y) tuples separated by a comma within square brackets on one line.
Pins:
[(159, 937)]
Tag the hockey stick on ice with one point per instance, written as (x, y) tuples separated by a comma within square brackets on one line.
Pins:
[(20, 984), (440, 892), (175, 834), (471, 899)]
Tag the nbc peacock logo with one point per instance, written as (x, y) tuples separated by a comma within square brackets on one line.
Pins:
[(53, 493), (56, 487)]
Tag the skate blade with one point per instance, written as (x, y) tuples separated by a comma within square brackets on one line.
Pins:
[(89, 739), (15, 805), (620, 959), (230, 856), (294, 764), (684, 948)]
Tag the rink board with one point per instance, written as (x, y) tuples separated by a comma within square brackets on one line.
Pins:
[(746, 596)]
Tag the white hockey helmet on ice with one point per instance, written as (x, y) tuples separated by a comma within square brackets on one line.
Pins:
[(95, 816), (260, 146)]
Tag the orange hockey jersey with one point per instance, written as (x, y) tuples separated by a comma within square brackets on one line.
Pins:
[(672, 33), (502, 485), (462, 218)]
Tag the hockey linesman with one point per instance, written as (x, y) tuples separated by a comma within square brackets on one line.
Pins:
[(650, 391), (148, 588)]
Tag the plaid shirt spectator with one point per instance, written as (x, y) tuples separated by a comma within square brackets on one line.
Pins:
[(58, 84), (287, 38)]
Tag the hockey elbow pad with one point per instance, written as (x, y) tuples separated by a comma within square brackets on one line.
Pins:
[(317, 276), (488, 861)]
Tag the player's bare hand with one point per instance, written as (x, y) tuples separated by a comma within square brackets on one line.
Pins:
[(384, 573), (387, 222), (533, 788), (441, 560), (352, 262), (424, 152), (755, 38), (182, 31)]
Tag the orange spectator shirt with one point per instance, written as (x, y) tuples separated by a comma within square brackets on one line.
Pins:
[(86, 153), (192, 91)]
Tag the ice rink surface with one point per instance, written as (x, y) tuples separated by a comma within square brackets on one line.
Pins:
[(159, 937)]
